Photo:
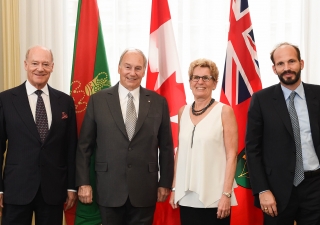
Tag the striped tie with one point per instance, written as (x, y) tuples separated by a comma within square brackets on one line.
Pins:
[(299, 171)]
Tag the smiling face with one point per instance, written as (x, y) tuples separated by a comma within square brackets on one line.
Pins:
[(131, 69), (201, 89), (39, 66), (287, 66)]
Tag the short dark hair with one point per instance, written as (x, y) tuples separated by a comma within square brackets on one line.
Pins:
[(285, 43)]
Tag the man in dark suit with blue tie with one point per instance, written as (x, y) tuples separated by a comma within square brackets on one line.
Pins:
[(283, 144), (39, 136), (125, 125)]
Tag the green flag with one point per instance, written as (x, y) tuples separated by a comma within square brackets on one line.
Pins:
[(90, 74)]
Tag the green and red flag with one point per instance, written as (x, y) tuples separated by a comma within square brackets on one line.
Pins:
[(241, 79), (90, 73)]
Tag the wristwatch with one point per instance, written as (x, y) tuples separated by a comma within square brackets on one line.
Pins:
[(227, 194)]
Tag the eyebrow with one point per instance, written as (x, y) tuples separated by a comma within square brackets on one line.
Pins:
[(35, 60), (201, 76)]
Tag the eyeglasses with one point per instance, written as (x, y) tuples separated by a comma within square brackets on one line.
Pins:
[(205, 78)]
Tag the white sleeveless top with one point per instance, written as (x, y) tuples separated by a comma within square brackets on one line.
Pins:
[(201, 168)]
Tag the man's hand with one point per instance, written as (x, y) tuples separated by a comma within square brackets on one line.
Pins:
[(163, 194), (71, 199), (85, 194), (268, 203), (1, 203)]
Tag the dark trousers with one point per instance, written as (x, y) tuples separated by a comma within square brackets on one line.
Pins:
[(22, 214), (303, 206), (127, 215), (203, 216)]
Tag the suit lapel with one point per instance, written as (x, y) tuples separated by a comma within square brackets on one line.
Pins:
[(313, 110), (113, 102), (281, 107), (144, 104), (55, 109), (21, 103)]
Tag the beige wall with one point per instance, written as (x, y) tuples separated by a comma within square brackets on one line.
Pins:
[(1, 51), (11, 47)]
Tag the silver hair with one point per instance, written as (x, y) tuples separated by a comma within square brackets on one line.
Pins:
[(132, 50)]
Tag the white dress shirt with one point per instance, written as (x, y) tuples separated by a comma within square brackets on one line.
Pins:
[(33, 97)]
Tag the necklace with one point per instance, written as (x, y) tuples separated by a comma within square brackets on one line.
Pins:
[(199, 112)]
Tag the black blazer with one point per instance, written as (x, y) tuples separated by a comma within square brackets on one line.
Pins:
[(270, 146), (30, 164), (126, 168)]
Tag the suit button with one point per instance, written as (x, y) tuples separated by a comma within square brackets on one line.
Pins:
[(129, 165), (130, 149)]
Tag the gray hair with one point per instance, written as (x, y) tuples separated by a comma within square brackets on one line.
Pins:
[(134, 50)]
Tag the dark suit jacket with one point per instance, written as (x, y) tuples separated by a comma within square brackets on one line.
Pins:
[(30, 164), (270, 146), (126, 168)]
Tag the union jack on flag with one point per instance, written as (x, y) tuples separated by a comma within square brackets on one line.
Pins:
[(241, 78)]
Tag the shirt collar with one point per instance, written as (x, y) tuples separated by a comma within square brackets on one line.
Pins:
[(123, 92), (31, 89), (299, 90)]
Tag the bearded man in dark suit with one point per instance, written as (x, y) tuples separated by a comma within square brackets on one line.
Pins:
[(39, 125), (283, 144)]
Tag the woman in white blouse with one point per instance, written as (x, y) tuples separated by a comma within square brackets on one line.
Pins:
[(205, 162)]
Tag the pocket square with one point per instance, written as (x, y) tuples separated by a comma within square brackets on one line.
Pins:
[(64, 115)]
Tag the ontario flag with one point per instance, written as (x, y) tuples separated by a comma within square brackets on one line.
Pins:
[(241, 79), (164, 77), (90, 74)]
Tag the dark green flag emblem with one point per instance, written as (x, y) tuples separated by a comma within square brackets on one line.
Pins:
[(242, 174)]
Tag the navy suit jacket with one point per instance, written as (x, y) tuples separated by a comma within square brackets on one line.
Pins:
[(29, 163)]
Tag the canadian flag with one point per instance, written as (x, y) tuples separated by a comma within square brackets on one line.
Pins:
[(164, 77)]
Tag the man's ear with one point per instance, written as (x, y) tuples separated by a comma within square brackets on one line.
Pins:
[(274, 69), (301, 64), (25, 65)]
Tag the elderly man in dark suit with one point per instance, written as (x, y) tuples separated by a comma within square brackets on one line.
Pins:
[(125, 125), (39, 125), (283, 144)]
